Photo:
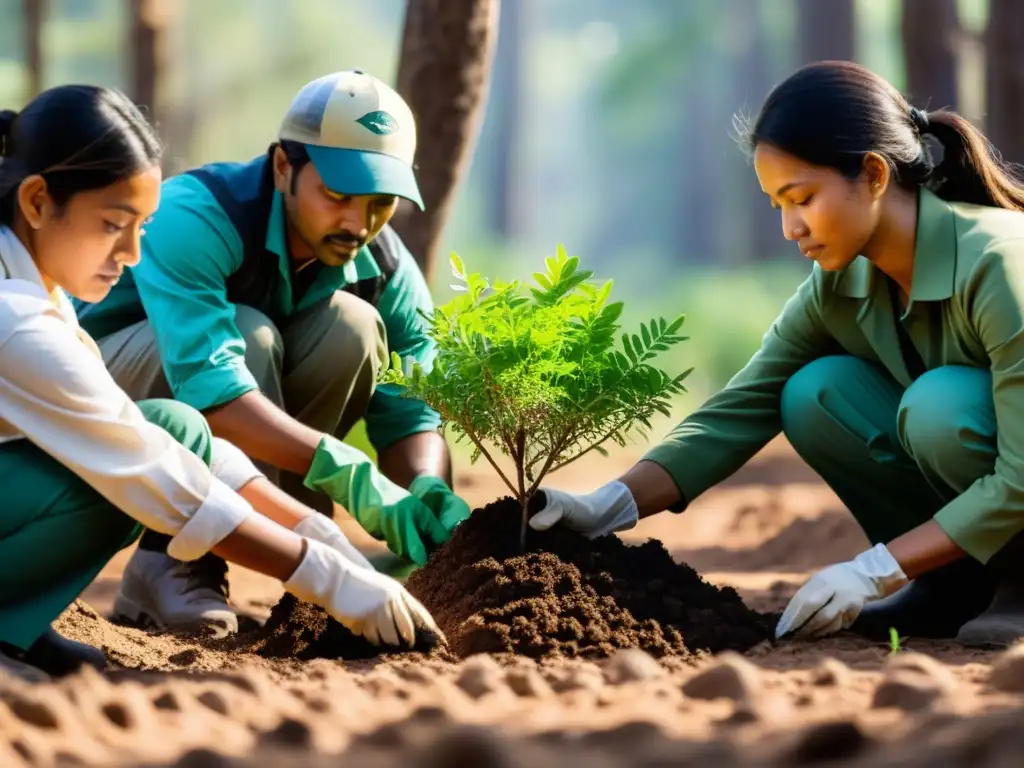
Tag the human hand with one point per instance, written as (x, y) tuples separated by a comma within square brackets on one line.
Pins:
[(367, 603), (832, 599), (449, 509), (323, 529), (608, 509)]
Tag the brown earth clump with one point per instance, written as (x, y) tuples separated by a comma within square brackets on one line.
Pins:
[(565, 597)]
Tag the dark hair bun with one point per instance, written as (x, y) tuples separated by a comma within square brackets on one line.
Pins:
[(7, 118)]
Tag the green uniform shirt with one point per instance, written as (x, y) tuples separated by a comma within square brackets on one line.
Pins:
[(190, 248), (966, 308)]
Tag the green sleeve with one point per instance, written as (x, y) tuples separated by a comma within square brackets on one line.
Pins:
[(733, 425), (990, 512), (189, 249), (390, 416)]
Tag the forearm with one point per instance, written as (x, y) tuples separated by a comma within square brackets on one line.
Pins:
[(265, 432), (424, 453), (263, 546), (923, 549), (273, 503), (653, 488)]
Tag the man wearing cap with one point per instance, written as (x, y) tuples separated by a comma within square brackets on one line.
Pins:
[(268, 296)]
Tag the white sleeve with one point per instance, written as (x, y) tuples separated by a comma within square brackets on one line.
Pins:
[(62, 398), (230, 464)]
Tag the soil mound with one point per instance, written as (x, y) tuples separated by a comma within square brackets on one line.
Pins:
[(567, 597), (572, 597)]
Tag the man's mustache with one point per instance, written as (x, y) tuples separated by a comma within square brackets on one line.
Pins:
[(345, 238)]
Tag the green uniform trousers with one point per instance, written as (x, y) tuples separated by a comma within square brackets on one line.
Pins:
[(57, 532), (894, 456)]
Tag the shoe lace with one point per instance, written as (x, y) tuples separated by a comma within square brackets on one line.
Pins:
[(208, 572)]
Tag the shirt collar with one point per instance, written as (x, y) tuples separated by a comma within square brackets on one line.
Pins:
[(17, 264), (363, 266), (934, 256)]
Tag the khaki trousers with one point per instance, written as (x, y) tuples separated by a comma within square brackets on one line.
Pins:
[(320, 367)]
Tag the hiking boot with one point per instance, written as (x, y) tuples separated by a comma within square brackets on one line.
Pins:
[(159, 591), (934, 605), (56, 655), (1002, 624)]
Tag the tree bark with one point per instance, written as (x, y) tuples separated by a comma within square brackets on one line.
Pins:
[(33, 13), (930, 30), (444, 75), (752, 80), (826, 30), (1004, 54), (146, 22), (504, 113)]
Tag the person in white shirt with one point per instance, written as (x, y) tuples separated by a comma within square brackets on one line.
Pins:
[(83, 467)]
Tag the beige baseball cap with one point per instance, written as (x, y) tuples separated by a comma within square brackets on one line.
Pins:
[(359, 133)]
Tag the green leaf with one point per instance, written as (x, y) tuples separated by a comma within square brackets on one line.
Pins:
[(458, 268), (540, 360), (629, 349)]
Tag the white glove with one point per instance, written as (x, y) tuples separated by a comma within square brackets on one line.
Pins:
[(323, 529), (832, 599), (366, 602), (608, 509), (229, 464)]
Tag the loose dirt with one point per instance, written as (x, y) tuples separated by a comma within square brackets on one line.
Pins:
[(178, 701), (566, 596)]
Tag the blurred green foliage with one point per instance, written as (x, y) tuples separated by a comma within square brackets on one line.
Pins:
[(620, 137)]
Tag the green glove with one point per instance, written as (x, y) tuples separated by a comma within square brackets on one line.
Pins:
[(382, 508), (449, 508)]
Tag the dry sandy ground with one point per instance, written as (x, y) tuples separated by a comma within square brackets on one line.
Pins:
[(175, 702)]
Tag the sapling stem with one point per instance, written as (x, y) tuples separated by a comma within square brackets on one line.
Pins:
[(524, 500), (524, 504), (535, 375)]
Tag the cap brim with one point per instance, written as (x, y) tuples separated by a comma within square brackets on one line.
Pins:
[(357, 172)]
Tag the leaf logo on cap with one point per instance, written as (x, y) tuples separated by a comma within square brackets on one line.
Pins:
[(379, 122)]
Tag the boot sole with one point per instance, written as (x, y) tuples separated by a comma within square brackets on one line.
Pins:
[(129, 613)]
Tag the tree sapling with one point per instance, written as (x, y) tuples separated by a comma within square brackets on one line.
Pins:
[(540, 376)]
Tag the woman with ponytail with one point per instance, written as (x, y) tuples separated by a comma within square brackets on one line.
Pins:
[(82, 466), (896, 371)]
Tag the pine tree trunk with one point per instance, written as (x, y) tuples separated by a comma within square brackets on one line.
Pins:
[(1005, 75), (33, 13), (826, 30), (444, 75), (146, 22), (930, 30)]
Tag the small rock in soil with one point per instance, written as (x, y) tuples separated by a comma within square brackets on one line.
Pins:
[(830, 673), (527, 682), (480, 676), (730, 676), (912, 682), (631, 665), (1008, 670)]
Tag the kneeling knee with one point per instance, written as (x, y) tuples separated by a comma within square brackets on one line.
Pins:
[(939, 406), (357, 329), (802, 405), (182, 422)]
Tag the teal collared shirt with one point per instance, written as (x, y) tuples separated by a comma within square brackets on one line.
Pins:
[(189, 250)]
